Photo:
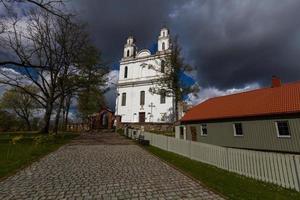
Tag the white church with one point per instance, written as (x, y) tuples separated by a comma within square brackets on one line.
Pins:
[(139, 70)]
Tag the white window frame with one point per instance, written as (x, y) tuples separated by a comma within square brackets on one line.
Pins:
[(234, 130), (184, 132), (201, 131), (277, 130), (122, 99), (125, 72), (163, 96)]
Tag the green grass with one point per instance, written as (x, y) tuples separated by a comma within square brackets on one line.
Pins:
[(166, 133), (120, 131), (229, 184), (29, 147)]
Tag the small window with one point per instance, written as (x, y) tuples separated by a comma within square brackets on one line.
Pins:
[(128, 53), (123, 99), (163, 97), (163, 46), (162, 67), (283, 129), (142, 98), (238, 129), (204, 130), (181, 128), (126, 72)]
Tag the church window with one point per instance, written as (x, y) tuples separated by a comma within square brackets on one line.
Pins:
[(126, 72), (163, 46), (163, 97), (162, 67), (142, 98), (123, 99), (128, 52)]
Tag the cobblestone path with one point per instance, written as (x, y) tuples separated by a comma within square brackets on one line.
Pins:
[(89, 168)]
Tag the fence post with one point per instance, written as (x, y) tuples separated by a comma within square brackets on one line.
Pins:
[(167, 143), (151, 138), (297, 172), (190, 149), (227, 159)]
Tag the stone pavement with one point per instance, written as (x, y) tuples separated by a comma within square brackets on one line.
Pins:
[(95, 168)]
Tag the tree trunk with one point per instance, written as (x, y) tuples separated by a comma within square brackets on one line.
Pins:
[(63, 114), (57, 117), (47, 118), (68, 104), (28, 124), (176, 109)]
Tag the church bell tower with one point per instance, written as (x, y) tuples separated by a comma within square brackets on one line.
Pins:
[(164, 40), (129, 48)]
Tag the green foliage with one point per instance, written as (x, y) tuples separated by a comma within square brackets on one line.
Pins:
[(21, 103), (166, 133), (231, 185), (8, 122), (90, 101), (16, 139), (41, 139), (90, 98), (120, 131)]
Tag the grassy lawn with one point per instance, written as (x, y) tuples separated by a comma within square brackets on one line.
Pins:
[(166, 133), (229, 184), (19, 149)]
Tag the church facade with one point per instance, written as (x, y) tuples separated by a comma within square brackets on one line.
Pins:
[(139, 71)]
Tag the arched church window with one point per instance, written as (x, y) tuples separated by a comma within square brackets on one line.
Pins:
[(142, 98), (126, 72), (128, 52), (163, 97), (163, 46), (123, 99), (162, 67)]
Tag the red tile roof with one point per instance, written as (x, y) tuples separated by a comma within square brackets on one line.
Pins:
[(284, 99)]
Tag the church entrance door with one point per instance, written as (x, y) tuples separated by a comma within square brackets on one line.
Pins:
[(141, 116), (104, 120)]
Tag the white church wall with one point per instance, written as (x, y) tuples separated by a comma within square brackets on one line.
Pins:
[(130, 112), (142, 70)]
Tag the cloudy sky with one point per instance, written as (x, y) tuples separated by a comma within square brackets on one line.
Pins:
[(233, 44)]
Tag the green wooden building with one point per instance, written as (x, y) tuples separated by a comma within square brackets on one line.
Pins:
[(264, 119)]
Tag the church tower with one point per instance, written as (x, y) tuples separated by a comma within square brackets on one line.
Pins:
[(138, 74), (129, 48), (164, 40)]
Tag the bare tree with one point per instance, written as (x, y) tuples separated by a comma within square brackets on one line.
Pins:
[(56, 46), (53, 7), (170, 83)]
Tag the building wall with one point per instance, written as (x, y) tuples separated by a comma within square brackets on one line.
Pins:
[(258, 134), (141, 78), (138, 68), (130, 112)]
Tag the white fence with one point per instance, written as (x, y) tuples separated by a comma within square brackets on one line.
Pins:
[(277, 168)]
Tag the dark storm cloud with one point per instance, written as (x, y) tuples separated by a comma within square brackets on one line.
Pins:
[(112, 21), (232, 43)]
